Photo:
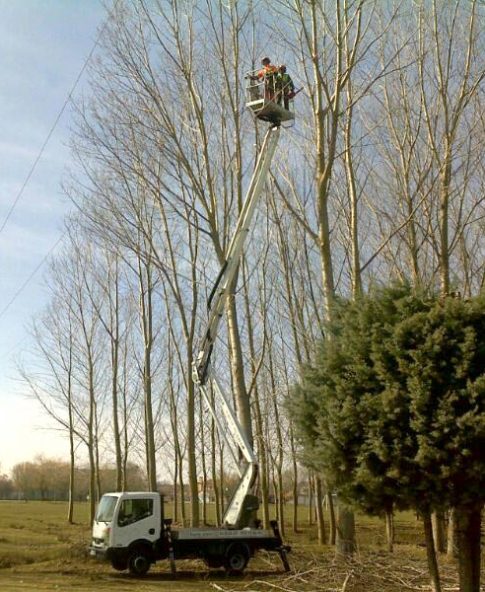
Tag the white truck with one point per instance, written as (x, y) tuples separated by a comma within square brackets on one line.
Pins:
[(130, 528), (131, 532)]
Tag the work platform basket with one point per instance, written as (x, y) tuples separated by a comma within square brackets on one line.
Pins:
[(267, 99)]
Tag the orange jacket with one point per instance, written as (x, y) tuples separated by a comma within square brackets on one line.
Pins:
[(268, 70)]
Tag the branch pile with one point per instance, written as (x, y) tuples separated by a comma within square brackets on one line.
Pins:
[(365, 573)]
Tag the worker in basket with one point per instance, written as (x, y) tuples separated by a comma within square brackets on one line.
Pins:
[(285, 89), (267, 73)]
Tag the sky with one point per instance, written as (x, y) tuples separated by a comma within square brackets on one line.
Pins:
[(43, 47)]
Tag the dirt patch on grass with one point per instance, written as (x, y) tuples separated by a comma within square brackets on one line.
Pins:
[(72, 576)]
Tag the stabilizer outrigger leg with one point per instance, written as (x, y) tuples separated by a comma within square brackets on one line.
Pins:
[(283, 550)]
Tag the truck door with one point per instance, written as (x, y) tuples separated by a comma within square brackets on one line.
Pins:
[(137, 519)]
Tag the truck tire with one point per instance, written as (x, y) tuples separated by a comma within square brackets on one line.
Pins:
[(138, 561), (119, 563), (237, 557)]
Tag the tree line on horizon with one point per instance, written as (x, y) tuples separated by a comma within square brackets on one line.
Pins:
[(382, 178), (47, 479)]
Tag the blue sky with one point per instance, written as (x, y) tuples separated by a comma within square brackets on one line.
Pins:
[(43, 46)]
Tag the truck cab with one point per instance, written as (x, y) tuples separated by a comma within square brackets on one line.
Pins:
[(127, 522)]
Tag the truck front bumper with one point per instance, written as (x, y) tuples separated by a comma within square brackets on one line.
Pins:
[(100, 553)]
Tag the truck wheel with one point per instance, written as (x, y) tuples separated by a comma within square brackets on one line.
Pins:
[(138, 562), (119, 564), (237, 557)]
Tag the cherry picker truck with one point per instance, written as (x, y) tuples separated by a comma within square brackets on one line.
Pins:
[(130, 528)]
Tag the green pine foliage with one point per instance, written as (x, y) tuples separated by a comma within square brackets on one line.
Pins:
[(392, 410), (441, 359)]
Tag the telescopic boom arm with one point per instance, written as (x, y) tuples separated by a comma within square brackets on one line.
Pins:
[(221, 292)]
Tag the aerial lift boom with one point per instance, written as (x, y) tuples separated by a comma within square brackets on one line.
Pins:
[(241, 502), (130, 528)]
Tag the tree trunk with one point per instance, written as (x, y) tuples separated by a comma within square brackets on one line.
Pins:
[(116, 426), (310, 499), (97, 465), (149, 423), (191, 453), (468, 522), (91, 444), (333, 523), (146, 321), (70, 510), (319, 507), (263, 460), (215, 481), (237, 369), (438, 522), (203, 462), (183, 511), (280, 501), (92, 483), (175, 487), (431, 553), (294, 464), (345, 531), (126, 440), (115, 345), (390, 530), (279, 459), (452, 544), (223, 482)]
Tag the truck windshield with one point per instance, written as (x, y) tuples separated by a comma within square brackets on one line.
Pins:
[(106, 508)]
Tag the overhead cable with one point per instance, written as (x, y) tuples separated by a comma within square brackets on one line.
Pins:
[(54, 125)]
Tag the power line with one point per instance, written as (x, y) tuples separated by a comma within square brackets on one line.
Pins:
[(54, 125), (39, 155), (32, 274), (13, 350)]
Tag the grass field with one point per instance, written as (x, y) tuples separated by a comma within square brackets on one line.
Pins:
[(40, 551)]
